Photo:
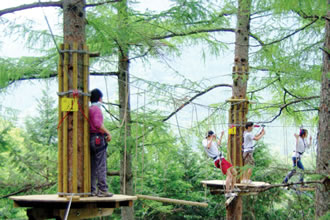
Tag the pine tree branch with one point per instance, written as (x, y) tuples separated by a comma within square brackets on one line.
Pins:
[(27, 188), (264, 87), (287, 104), (101, 3), (30, 6), (11, 81), (302, 14), (193, 32), (283, 38), (194, 97)]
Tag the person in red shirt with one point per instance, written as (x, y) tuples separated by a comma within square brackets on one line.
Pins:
[(99, 136)]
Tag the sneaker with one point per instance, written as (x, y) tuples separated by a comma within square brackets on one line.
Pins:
[(248, 181), (94, 193), (227, 195), (104, 194), (243, 181), (236, 190), (233, 194)]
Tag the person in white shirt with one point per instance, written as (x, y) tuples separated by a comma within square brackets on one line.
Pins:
[(248, 148), (301, 146), (211, 144)]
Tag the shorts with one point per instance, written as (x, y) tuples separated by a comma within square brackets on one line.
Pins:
[(224, 166), (248, 158)]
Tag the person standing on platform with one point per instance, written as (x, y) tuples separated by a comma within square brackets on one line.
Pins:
[(248, 148), (99, 136), (301, 146), (211, 144)]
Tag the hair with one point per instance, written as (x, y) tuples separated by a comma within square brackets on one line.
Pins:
[(209, 133), (302, 132), (248, 124), (96, 94)]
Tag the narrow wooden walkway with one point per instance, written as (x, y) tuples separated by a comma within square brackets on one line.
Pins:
[(218, 186)]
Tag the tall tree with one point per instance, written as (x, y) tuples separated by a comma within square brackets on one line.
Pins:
[(322, 200), (126, 175), (238, 109)]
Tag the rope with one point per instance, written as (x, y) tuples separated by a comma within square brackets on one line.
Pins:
[(68, 208), (53, 37), (143, 138), (136, 141)]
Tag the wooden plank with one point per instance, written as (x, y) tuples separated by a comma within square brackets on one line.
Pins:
[(229, 200), (75, 123), (60, 130), (176, 201), (235, 135), (240, 133), (65, 122), (54, 198), (230, 137), (87, 213), (87, 177), (222, 183)]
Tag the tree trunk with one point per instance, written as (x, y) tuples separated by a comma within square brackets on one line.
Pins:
[(239, 107), (322, 200), (72, 157), (126, 176)]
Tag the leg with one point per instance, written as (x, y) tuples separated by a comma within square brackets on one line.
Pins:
[(101, 166), (292, 172), (249, 174), (228, 182), (234, 175), (301, 166), (93, 173)]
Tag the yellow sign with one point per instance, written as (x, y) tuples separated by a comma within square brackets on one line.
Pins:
[(69, 105), (232, 130)]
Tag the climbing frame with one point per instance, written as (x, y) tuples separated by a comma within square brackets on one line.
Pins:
[(73, 129)]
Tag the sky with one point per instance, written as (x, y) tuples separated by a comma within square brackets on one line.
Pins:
[(22, 96)]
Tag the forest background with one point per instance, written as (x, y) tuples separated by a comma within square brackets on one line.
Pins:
[(285, 67)]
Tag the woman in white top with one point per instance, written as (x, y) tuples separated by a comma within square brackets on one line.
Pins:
[(301, 146), (211, 144)]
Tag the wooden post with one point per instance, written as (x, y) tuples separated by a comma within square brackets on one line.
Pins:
[(60, 131), (87, 171), (65, 121)]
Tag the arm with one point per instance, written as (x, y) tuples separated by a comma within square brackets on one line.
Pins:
[(297, 141), (209, 142), (310, 141), (260, 135), (220, 139), (103, 129)]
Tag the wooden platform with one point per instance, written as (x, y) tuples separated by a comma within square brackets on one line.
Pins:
[(218, 186), (50, 206)]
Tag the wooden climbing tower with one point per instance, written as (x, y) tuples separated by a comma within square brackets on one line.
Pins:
[(237, 116), (73, 128)]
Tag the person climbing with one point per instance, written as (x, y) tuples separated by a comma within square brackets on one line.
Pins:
[(211, 144), (99, 136), (301, 146), (248, 149)]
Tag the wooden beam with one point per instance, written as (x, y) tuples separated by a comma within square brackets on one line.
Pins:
[(228, 201), (60, 130), (65, 122), (75, 123), (176, 201), (87, 176)]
